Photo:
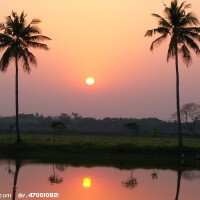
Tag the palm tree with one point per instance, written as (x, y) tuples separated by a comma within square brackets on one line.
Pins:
[(181, 28), (16, 38)]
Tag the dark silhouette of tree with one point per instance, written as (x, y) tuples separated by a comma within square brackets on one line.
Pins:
[(64, 117), (54, 178), (131, 182), (16, 38), (57, 126), (177, 24), (190, 114), (133, 126), (76, 116)]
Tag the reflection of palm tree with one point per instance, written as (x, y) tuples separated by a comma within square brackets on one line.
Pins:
[(10, 171), (61, 167), (17, 168), (191, 175), (177, 24), (131, 182), (154, 175), (54, 178), (179, 173)]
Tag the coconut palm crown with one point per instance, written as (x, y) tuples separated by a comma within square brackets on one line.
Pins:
[(180, 27), (16, 37)]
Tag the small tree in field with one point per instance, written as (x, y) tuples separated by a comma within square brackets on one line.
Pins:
[(58, 127)]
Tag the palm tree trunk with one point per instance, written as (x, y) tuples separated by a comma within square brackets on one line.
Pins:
[(17, 101), (180, 144)]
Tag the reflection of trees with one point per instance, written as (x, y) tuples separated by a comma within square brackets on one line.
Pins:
[(54, 178), (8, 169), (179, 174), (191, 175), (154, 175), (131, 182), (61, 167)]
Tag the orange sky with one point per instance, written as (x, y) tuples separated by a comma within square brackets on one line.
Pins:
[(103, 39)]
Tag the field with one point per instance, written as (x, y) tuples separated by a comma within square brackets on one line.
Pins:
[(119, 143), (91, 150)]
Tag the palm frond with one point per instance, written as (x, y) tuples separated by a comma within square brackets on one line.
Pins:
[(31, 58), (22, 18), (26, 66), (189, 19), (158, 41), (161, 30), (187, 6), (37, 38), (194, 36), (35, 21), (191, 44), (171, 49), (190, 29), (6, 38), (185, 54), (162, 21), (2, 26), (26, 57), (37, 45), (31, 30), (5, 59), (184, 6)]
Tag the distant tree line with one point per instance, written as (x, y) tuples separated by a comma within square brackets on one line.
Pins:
[(74, 123)]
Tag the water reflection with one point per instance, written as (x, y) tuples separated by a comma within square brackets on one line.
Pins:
[(104, 182), (154, 174), (15, 174), (54, 178), (87, 182), (17, 168), (191, 175), (179, 174), (131, 182)]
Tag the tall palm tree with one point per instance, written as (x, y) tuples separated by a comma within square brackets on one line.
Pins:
[(16, 37), (180, 26)]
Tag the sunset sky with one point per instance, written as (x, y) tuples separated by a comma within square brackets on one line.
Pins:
[(103, 39)]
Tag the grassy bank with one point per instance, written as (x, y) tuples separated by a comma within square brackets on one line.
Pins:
[(90, 150), (98, 143)]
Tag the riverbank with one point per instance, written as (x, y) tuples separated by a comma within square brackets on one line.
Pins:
[(114, 144), (91, 157), (97, 149)]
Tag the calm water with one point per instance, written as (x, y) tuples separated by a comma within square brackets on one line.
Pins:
[(95, 183)]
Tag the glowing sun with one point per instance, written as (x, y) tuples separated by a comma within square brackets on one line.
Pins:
[(90, 81), (87, 182)]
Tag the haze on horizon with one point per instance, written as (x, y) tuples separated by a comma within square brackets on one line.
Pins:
[(103, 39)]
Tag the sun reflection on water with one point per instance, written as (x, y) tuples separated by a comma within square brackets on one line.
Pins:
[(87, 182)]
